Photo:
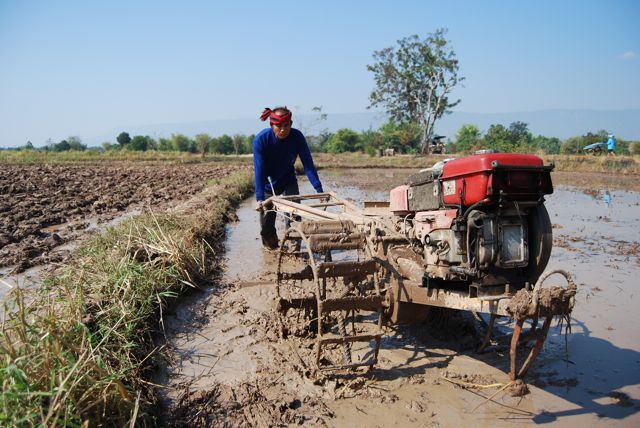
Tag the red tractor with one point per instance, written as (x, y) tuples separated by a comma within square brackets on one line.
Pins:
[(468, 234)]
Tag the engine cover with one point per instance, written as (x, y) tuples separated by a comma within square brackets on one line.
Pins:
[(471, 179)]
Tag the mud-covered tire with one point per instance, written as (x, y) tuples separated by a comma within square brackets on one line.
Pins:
[(540, 242)]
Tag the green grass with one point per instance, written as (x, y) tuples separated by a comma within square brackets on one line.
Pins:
[(76, 351)]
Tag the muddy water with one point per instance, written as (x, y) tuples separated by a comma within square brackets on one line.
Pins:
[(224, 337), (599, 245)]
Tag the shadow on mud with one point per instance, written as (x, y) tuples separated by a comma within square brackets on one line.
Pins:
[(592, 377), (602, 369)]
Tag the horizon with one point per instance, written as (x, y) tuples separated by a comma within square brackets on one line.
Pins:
[(566, 119), (86, 69)]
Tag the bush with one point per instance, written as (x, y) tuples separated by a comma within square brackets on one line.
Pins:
[(345, 140)]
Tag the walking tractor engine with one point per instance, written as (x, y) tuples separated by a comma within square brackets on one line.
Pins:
[(479, 219), (468, 234)]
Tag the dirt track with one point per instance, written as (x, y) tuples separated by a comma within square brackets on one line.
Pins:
[(44, 206)]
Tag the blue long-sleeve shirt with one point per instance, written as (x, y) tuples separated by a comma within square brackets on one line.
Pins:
[(276, 158)]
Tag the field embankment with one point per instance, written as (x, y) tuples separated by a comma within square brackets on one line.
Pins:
[(75, 350)]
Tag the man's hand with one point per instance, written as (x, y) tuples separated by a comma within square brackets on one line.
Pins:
[(258, 205)]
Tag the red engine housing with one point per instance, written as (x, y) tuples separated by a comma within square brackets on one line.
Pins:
[(471, 179)]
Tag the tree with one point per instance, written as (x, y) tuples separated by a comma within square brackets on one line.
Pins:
[(238, 144), (345, 140), (165, 145), (414, 80), (108, 146), (141, 143), (499, 138), (180, 142), (572, 146), (403, 137), (520, 135), (248, 143), (75, 143), (222, 144), (318, 143), (202, 143), (467, 138), (549, 145), (123, 138), (62, 146), (372, 141)]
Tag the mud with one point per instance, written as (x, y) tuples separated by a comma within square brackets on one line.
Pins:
[(43, 207), (230, 367)]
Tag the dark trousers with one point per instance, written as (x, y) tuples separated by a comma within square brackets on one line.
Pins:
[(268, 219)]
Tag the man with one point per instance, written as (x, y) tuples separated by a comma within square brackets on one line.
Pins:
[(275, 151), (611, 145)]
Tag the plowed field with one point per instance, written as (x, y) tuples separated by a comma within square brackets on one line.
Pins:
[(44, 206)]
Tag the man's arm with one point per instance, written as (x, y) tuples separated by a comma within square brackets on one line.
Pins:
[(258, 168)]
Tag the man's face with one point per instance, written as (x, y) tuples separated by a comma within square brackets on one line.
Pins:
[(282, 131)]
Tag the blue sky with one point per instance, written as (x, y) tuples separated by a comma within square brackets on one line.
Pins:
[(83, 68)]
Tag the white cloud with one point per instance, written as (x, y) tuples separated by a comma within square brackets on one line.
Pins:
[(629, 55)]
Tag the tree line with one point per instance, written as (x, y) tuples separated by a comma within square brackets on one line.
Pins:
[(516, 137), (201, 143), (404, 138)]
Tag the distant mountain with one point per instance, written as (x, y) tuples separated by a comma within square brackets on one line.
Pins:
[(551, 123)]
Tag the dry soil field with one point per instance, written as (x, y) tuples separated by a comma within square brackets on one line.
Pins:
[(44, 206)]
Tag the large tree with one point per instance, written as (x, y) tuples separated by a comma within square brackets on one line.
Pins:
[(414, 80), (123, 138)]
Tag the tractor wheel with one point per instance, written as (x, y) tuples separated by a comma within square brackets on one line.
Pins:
[(540, 242)]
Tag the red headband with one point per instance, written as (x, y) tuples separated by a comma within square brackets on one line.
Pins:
[(275, 119)]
